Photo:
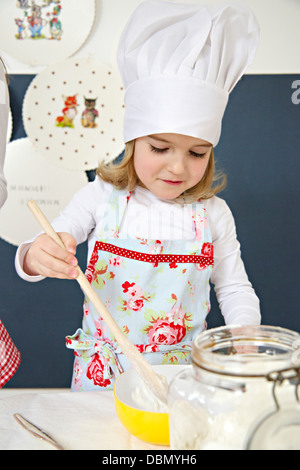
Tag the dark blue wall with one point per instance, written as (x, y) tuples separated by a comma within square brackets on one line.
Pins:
[(260, 152)]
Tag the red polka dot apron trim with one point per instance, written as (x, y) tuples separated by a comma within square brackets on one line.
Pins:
[(202, 260)]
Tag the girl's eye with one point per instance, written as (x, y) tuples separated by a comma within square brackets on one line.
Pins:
[(157, 150), (197, 155)]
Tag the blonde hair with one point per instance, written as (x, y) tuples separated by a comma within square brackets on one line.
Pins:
[(123, 176)]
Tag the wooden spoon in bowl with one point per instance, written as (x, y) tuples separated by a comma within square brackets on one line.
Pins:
[(155, 383)]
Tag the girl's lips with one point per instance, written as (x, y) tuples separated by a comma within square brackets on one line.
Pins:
[(173, 183)]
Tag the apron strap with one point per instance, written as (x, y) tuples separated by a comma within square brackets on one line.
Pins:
[(87, 347), (113, 216)]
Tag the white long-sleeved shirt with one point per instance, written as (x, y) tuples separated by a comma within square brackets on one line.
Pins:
[(148, 217), (4, 110)]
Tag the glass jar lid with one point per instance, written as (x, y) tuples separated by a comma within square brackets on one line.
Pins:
[(246, 351)]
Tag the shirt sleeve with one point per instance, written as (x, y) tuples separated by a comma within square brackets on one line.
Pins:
[(78, 218), (4, 110), (237, 299)]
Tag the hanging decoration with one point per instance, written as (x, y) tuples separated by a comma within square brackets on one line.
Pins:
[(73, 113), (30, 176), (42, 32)]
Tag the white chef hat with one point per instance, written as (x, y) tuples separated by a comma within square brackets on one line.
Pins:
[(179, 63)]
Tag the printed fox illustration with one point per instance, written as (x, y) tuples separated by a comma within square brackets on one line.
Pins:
[(69, 112)]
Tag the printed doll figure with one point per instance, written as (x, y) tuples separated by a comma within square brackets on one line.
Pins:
[(55, 24), (90, 113), (22, 4), (37, 17), (158, 233), (21, 28), (69, 112), (35, 21)]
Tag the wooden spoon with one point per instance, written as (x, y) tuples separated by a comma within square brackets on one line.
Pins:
[(155, 383)]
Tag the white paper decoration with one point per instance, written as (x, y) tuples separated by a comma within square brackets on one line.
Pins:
[(9, 126), (42, 32), (30, 176), (73, 113)]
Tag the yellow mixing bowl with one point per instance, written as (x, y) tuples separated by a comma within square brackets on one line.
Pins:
[(151, 427)]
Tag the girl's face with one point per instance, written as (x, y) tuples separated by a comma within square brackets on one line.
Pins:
[(170, 164)]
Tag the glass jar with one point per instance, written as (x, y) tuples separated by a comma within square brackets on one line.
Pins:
[(214, 402)]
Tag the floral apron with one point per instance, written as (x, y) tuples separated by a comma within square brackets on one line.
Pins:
[(157, 291)]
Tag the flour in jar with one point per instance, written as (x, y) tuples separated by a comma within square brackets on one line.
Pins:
[(213, 427)]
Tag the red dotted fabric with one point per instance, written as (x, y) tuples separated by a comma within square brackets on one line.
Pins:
[(10, 357), (202, 260)]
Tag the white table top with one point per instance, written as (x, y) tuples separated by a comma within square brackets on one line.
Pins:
[(9, 392), (78, 421)]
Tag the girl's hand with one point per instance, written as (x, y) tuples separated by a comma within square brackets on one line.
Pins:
[(46, 258)]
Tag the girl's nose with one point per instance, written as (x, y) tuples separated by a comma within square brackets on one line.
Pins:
[(176, 163)]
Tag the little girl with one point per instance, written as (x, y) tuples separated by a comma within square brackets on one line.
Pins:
[(157, 233)]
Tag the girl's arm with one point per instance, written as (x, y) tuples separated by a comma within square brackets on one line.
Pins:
[(41, 257), (236, 296), (46, 258)]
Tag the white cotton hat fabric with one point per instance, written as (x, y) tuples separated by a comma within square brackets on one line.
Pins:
[(178, 64)]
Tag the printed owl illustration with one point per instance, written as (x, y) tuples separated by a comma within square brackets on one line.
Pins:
[(90, 113)]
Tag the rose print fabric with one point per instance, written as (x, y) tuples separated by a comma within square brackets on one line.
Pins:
[(156, 290)]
